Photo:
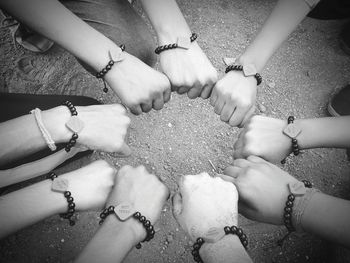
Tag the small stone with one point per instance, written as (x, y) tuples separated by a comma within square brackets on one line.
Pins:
[(261, 108), (62, 240), (170, 125), (271, 85)]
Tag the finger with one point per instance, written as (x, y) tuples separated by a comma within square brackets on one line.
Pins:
[(158, 102), (232, 171), (247, 117), (136, 109), (239, 142), (227, 112), (123, 170), (124, 150), (256, 159), (195, 91), (237, 117), (177, 205), (238, 154), (207, 91), (182, 90), (146, 107), (242, 163), (213, 97), (218, 106), (167, 95), (227, 178)]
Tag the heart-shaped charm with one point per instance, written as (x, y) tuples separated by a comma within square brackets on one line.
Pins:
[(116, 55), (124, 211), (249, 70), (183, 42), (214, 234), (297, 188), (75, 124), (292, 130), (59, 185)]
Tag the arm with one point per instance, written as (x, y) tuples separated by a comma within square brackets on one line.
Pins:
[(115, 238), (264, 137), (328, 217), (283, 20), (51, 19), (263, 190), (89, 186), (112, 242), (189, 71), (228, 249), (105, 127)]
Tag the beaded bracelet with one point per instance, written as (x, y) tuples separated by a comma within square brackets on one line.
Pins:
[(296, 189), (113, 58), (61, 185), (74, 124), (257, 76), (182, 42), (295, 146), (137, 215), (228, 230)]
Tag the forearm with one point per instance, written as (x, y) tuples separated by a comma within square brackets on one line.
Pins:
[(167, 20), (228, 249), (28, 206), (112, 242), (284, 18), (328, 217), (324, 132), (21, 136), (51, 19)]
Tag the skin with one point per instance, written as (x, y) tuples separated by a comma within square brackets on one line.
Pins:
[(234, 95), (204, 202), (105, 128), (114, 239), (264, 137), (89, 186), (263, 191)]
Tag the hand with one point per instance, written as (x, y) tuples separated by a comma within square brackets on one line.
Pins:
[(262, 188), (91, 185), (140, 188), (139, 86), (233, 98), (189, 71), (204, 202), (105, 127), (263, 136)]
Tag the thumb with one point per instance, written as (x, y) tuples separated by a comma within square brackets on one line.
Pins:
[(124, 150), (177, 205), (232, 171)]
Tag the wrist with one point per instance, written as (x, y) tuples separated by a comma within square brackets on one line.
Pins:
[(245, 59), (168, 35), (132, 228), (55, 121)]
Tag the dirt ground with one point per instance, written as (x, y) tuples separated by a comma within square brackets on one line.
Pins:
[(186, 134)]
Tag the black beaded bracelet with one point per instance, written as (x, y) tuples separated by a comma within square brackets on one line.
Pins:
[(75, 135), (233, 230), (287, 216), (295, 146), (137, 215), (70, 200), (257, 76), (108, 67), (160, 49)]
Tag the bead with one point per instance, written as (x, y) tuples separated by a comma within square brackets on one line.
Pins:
[(111, 63), (72, 141), (287, 216), (200, 240), (244, 237), (71, 222), (67, 148), (287, 221), (149, 228), (111, 209), (288, 209), (104, 71), (103, 216), (105, 90), (142, 219), (108, 67), (67, 194), (137, 215), (194, 252), (291, 197), (234, 229), (290, 119), (138, 246), (74, 113), (239, 232), (101, 222), (70, 199), (196, 246), (152, 232), (245, 243), (122, 47), (147, 223), (227, 230), (71, 205), (294, 141), (296, 152), (71, 210), (289, 204), (197, 259)]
